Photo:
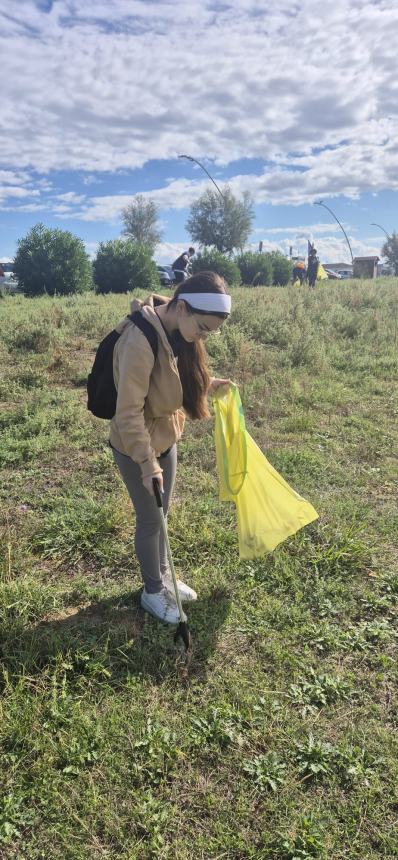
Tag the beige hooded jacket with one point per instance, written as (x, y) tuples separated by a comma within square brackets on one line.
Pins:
[(149, 417)]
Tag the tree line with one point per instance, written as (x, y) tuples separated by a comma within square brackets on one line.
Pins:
[(55, 261)]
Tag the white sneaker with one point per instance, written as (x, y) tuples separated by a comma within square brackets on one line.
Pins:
[(186, 593), (161, 605)]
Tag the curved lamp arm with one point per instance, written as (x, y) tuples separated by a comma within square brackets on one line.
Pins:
[(321, 203), (189, 157)]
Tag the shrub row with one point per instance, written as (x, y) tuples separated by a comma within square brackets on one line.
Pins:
[(55, 262), (248, 268)]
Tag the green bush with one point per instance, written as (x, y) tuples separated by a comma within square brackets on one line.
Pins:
[(122, 265), (53, 262), (214, 261), (281, 269), (255, 268)]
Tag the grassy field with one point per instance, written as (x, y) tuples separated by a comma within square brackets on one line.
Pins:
[(277, 738)]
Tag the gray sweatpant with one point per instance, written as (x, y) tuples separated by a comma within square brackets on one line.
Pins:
[(149, 542)]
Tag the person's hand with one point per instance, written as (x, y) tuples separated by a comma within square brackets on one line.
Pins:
[(147, 482), (219, 386)]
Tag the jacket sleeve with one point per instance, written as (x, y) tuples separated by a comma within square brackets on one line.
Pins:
[(135, 364)]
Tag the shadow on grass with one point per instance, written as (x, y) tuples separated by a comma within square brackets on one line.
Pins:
[(113, 639)]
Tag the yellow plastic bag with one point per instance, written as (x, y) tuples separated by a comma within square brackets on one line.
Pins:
[(321, 274), (268, 510), (231, 444)]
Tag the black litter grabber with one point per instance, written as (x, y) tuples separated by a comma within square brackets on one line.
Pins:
[(182, 629)]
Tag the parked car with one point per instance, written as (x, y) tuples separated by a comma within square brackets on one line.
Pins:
[(332, 275), (166, 276), (345, 273), (9, 284)]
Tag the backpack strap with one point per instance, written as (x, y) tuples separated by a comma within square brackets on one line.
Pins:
[(147, 329)]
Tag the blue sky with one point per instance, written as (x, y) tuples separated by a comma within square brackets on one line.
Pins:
[(101, 98)]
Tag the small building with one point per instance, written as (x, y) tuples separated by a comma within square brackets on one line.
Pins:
[(365, 267)]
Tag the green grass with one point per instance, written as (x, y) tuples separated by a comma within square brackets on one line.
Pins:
[(277, 738)]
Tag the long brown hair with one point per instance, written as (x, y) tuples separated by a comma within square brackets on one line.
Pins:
[(192, 358)]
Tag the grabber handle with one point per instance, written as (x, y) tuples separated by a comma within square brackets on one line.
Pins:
[(156, 490)]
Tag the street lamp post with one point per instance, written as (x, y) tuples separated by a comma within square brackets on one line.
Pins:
[(189, 157), (373, 224), (321, 203)]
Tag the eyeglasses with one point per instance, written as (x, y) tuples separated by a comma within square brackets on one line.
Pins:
[(204, 331)]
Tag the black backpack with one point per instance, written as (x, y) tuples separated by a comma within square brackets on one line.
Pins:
[(101, 389)]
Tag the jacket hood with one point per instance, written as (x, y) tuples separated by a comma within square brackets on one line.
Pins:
[(151, 302)]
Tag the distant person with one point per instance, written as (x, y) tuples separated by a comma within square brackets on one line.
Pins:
[(312, 270), (182, 265), (299, 273)]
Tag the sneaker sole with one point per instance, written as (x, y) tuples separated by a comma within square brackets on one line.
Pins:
[(158, 617)]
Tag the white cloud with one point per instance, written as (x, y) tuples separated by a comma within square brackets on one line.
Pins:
[(25, 207), (10, 177), (306, 230), (178, 194), (166, 252), (43, 184), (106, 86), (331, 249), (17, 192), (91, 248), (91, 179), (71, 197), (107, 208)]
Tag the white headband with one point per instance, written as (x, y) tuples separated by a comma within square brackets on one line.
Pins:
[(218, 302)]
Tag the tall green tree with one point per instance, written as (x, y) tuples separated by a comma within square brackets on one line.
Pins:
[(53, 262), (140, 222), (390, 252), (224, 224)]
